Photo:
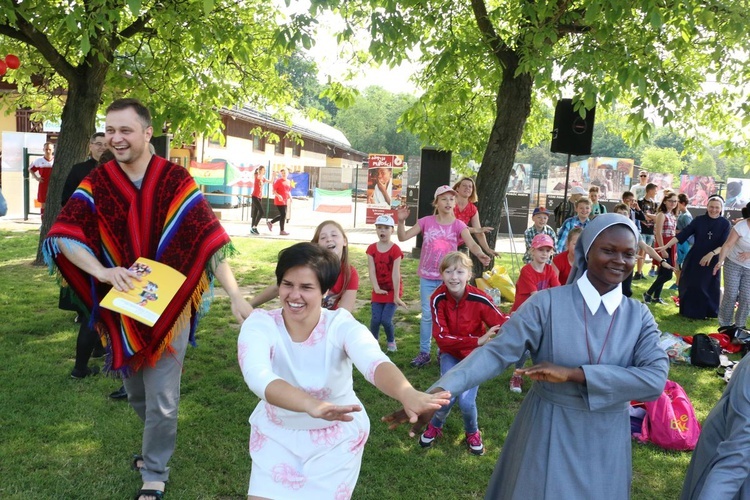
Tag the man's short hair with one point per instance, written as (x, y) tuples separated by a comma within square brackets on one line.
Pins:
[(95, 136), (593, 189), (627, 194), (142, 111), (683, 198), (583, 201), (650, 186)]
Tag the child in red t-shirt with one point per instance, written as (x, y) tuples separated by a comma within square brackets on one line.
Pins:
[(536, 275), (563, 262), (384, 265)]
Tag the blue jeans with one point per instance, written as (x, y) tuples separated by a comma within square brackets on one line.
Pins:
[(467, 400), (382, 314), (426, 289)]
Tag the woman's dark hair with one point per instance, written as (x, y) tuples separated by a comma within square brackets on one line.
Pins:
[(324, 263), (746, 211)]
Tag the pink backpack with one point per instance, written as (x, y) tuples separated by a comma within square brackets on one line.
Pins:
[(670, 421)]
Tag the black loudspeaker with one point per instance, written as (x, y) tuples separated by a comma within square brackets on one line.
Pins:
[(572, 133), (435, 171), (161, 145)]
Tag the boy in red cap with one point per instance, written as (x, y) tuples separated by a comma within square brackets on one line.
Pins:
[(536, 275), (540, 218)]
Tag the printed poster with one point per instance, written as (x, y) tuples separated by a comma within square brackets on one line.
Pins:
[(520, 178), (699, 187), (152, 294), (384, 185)]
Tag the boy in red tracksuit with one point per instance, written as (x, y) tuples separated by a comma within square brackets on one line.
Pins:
[(463, 319)]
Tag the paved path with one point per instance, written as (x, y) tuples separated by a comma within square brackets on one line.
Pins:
[(301, 228)]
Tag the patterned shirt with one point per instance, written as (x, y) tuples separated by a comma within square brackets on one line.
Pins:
[(529, 234), (569, 224)]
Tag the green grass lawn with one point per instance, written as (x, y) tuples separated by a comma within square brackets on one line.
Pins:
[(64, 439)]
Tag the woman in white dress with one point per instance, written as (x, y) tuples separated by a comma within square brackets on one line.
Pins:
[(309, 429)]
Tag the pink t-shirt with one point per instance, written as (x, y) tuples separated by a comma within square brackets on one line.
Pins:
[(438, 240), (384, 271)]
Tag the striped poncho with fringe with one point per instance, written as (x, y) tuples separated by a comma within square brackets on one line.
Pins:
[(167, 220)]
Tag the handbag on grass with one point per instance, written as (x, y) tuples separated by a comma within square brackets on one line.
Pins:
[(705, 351)]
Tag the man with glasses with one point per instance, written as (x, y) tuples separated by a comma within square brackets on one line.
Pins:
[(87, 343), (639, 190), (97, 146)]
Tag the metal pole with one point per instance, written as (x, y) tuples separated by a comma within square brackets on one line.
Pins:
[(538, 188), (26, 184), (565, 193), (268, 191), (514, 259), (356, 191)]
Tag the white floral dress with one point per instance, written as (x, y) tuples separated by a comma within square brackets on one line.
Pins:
[(293, 454)]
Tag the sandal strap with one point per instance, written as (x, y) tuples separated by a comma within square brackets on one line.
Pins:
[(134, 462), (149, 493)]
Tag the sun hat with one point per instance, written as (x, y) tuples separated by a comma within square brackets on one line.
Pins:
[(444, 189), (384, 220), (542, 240), (577, 190)]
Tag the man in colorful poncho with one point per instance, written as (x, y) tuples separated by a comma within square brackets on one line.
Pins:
[(141, 205)]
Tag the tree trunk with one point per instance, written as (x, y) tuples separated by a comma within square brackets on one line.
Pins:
[(77, 123), (513, 109)]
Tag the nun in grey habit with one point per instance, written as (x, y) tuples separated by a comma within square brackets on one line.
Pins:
[(720, 467), (593, 351)]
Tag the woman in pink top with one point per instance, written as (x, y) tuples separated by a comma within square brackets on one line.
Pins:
[(440, 235)]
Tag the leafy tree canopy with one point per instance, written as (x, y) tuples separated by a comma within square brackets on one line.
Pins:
[(664, 160), (703, 164), (184, 59), (371, 123), (649, 58), (302, 74)]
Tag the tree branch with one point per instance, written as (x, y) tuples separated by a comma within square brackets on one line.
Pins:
[(505, 55), (26, 32), (138, 26), (486, 29)]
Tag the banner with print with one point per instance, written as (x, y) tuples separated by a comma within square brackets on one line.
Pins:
[(384, 184), (699, 187)]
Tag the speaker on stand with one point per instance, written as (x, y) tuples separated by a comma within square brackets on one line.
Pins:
[(571, 134)]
